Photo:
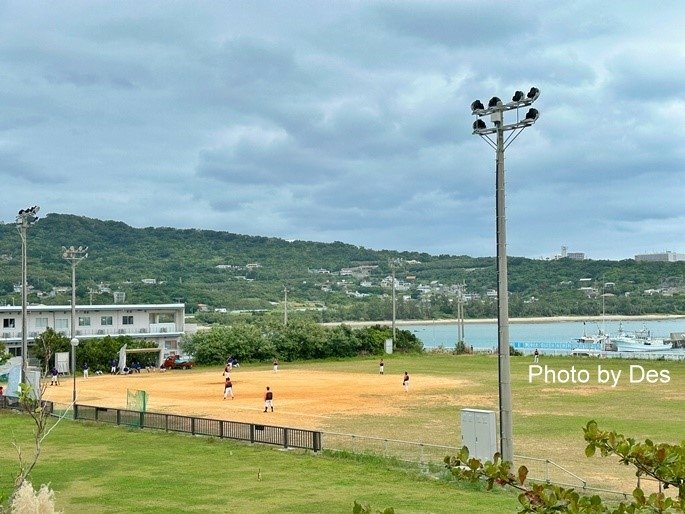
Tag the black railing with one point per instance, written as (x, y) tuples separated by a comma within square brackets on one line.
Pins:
[(251, 432), (12, 402)]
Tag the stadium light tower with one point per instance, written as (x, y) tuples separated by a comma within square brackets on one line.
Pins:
[(25, 218), (74, 255), (495, 110)]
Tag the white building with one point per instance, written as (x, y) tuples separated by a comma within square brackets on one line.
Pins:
[(163, 324), (661, 257)]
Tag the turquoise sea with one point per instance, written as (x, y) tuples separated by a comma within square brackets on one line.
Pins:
[(558, 335)]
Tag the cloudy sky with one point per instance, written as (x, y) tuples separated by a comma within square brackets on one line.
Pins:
[(350, 121)]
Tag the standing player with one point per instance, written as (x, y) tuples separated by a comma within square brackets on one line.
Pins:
[(275, 366), (381, 366), (54, 379), (405, 382), (268, 399), (85, 369), (228, 388)]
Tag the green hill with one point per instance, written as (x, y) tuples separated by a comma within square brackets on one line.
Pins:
[(330, 281)]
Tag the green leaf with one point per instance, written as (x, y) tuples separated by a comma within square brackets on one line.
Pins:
[(590, 450)]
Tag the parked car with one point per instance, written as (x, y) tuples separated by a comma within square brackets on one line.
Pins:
[(178, 362)]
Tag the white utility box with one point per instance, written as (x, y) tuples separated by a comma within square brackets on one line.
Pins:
[(478, 433)]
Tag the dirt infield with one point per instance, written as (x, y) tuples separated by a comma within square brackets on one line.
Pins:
[(302, 398)]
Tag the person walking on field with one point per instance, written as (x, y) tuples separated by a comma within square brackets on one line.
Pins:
[(275, 366), (54, 376), (268, 399), (382, 366), (405, 382), (228, 388), (536, 356)]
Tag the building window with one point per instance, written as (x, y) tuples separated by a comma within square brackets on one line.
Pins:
[(61, 323), (106, 321), (41, 322), (8, 323), (127, 320), (84, 321)]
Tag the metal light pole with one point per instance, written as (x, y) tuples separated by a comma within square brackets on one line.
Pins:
[(74, 344), (25, 218), (74, 255), (496, 110)]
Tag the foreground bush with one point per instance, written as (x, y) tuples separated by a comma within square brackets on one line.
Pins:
[(663, 462)]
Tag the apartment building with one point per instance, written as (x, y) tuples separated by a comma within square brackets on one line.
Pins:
[(163, 324)]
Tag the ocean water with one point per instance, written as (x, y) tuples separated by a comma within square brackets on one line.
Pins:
[(483, 336)]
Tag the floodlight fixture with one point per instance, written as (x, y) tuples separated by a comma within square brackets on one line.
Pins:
[(477, 105), (478, 124), (494, 102), (532, 114), (518, 96), (533, 94)]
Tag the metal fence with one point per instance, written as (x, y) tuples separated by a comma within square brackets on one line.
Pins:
[(12, 402), (250, 432), (539, 470)]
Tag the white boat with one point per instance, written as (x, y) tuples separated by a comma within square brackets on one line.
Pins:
[(600, 342), (639, 341)]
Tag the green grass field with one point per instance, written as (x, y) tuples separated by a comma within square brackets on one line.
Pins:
[(110, 469), (99, 468), (548, 417)]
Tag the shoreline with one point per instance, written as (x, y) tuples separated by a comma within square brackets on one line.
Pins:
[(541, 320)]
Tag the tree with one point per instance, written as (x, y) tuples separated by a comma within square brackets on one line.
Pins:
[(24, 498), (4, 354), (663, 462), (47, 344)]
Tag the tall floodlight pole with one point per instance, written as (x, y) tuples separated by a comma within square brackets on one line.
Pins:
[(496, 110), (74, 256), (25, 218)]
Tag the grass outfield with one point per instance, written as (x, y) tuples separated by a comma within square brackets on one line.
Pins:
[(108, 469), (548, 417)]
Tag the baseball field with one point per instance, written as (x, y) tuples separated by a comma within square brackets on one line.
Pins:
[(351, 397)]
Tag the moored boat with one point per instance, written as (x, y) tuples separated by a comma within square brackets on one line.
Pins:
[(639, 341), (599, 342)]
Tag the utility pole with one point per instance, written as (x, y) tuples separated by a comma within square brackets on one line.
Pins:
[(495, 111), (460, 313), (285, 305), (25, 218)]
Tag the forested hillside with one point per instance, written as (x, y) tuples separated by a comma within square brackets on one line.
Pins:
[(329, 281)]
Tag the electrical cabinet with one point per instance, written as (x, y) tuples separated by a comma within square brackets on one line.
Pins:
[(478, 433)]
